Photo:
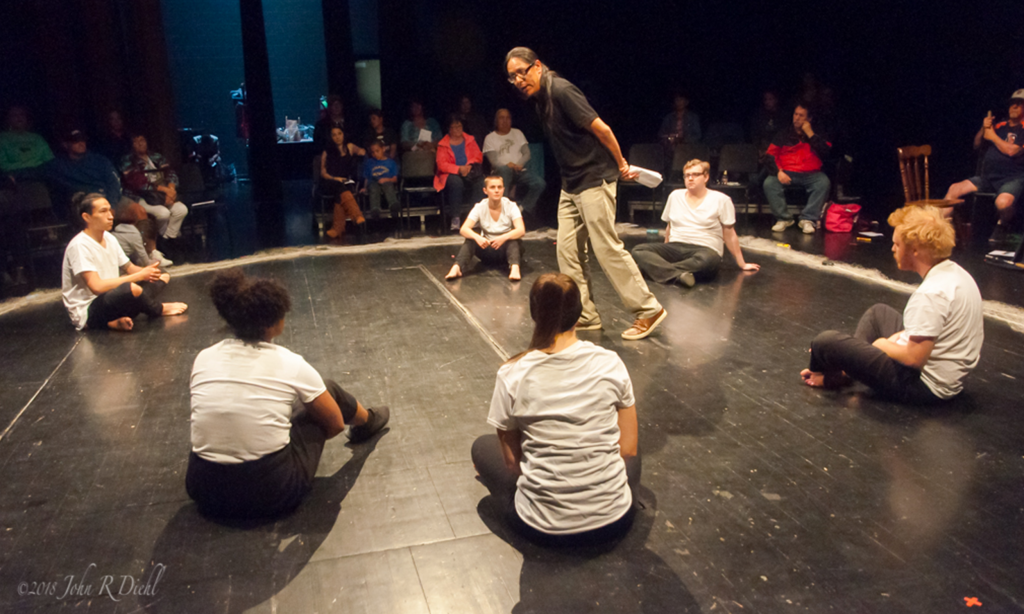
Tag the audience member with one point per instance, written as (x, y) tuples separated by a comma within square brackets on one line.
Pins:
[(260, 413), (413, 138), (1002, 167), (591, 163), (472, 122), (379, 133), (333, 118), (149, 179), (794, 157), (501, 231), (766, 122), (700, 222), (923, 355), (95, 294), (381, 173), (459, 166), (22, 152), (114, 143), (508, 152), (564, 464), (84, 171), (681, 125), (829, 119), (338, 179)]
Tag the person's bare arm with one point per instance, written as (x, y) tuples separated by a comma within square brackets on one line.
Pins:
[(914, 354), (323, 167), (518, 230), (98, 285), (985, 125), (607, 138), (324, 411), (511, 449), (627, 431), (466, 230), (356, 150), (732, 243)]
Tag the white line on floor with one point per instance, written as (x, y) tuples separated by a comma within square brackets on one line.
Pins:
[(500, 351), (54, 372)]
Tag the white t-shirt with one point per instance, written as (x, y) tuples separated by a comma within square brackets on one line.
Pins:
[(947, 307), (243, 397), (489, 227), (84, 254), (566, 405), (701, 225), (509, 146)]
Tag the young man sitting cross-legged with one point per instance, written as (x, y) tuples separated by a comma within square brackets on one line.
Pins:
[(95, 293)]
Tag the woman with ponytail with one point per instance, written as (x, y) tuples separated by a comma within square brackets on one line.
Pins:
[(564, 462), (261, 413)]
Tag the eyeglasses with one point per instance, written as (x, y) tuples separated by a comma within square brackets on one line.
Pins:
[(692, 175), (515, 75)]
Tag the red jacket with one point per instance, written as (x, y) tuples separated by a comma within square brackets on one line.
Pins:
[(446, 159)]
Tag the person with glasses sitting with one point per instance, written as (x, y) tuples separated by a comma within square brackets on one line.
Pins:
[(700, 223)]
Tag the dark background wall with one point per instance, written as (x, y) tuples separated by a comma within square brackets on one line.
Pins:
[(905, 72)]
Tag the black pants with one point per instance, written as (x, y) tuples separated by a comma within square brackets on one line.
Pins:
[(455, 187), (833, 352), (121, 303), (665, 262), (269, 486), (510, 251), (502, 483)]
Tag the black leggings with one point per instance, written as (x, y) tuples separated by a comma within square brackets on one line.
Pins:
[(510, 251), (502, 483), (121, 303), (833, 352), (271, 485)]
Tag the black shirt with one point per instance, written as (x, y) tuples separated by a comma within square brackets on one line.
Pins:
[(583, 160), (387, 138), (996, 163)]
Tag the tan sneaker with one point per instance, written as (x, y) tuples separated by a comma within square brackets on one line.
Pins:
[(644, 326)]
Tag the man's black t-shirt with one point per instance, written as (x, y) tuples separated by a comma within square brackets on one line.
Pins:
[(583, 160), (998, 164), (387, 138)]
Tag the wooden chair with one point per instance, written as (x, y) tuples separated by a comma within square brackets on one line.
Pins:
[(914, 172)]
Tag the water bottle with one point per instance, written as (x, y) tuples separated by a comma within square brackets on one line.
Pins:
[(725, 177)]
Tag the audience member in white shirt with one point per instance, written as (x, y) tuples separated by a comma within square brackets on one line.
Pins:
[(564, 462), (700, 223), (508, 152), (501, 230), (924, 355), (261, 413)]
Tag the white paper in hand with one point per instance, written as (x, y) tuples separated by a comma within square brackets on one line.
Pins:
[(647, 177)]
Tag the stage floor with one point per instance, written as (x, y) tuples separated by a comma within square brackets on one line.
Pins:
[(758, 494)]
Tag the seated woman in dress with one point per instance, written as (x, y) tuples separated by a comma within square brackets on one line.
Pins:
[(501, 229), (338, 179), (261, 413), (564, 462)]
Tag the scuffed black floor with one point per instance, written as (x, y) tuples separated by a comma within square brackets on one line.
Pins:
[(760, 495)]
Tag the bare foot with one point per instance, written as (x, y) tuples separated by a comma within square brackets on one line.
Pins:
[(813, 379), (454, 272), (124, 324), (174, 309), (513, 273)]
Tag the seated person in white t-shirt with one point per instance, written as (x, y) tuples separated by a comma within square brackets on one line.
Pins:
[(96, 295), (923, 355), (501, 230), (564, 463), (261, 413), (508, 152), (700, 222)]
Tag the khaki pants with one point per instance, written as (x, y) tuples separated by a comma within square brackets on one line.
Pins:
[(591, 215)]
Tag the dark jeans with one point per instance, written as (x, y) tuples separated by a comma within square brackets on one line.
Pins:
[(510, 251), (501, 482), (665, 262), (269, 486), (833, 353), (455, 187), (390, 192), (121, 303), (532, 186)]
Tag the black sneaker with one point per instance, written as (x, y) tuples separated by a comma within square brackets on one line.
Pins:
[(379, 417)]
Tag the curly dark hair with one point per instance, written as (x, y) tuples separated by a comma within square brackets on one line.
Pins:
[(250, 306)]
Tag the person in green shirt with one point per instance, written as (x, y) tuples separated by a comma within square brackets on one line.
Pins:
[(20, 149)]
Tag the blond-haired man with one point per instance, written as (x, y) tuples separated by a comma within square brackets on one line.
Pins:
[(923, 355)]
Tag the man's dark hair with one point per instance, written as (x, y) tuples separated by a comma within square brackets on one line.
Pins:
[(544, 102), (376, 112), (249, 306), (85, 202), (806, 106)]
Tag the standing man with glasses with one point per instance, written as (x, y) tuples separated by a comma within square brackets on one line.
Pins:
[(591, 164)]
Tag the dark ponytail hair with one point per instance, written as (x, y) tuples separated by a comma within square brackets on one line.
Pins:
[(555, 307), (250, 306), (544, 103)]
